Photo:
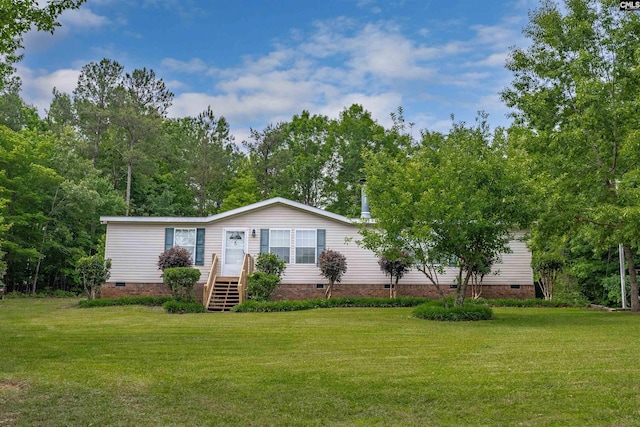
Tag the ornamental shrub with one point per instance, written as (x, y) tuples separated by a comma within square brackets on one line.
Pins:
[(270, 264), (181, 281), (93, 272), (332, 265), (174, 257), (181, 307), (461, 313), (108, 302), (260, 285)]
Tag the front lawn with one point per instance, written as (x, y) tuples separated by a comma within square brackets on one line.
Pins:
[(133, 365)]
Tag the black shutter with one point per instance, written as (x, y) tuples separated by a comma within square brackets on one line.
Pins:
[(200, 246), (264, 241), (168, 238), (321, 242)]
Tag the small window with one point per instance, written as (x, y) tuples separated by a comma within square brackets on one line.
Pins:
[(280, 244), (515, 286), (306, 246), (320, 286), (186, 238), (453, 286), (387, 286)]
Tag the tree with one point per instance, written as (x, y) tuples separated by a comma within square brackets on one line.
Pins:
[(95, 99), (142, 103), (212, 155), (332, 265), (310, 171), (268, 157), (18, 17), (94, 271), (395, 265), (548, 260), (243, 189), (454, 197), (577, 89), (354, 133)]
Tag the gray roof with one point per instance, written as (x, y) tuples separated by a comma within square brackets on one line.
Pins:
[(204, 220)]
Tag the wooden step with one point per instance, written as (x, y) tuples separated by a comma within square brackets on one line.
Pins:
[(225, 294)]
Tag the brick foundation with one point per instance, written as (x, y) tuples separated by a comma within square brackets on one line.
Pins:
[(112, 290), (299, 292)]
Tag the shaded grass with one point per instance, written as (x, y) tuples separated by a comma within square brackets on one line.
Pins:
[(135, 365)]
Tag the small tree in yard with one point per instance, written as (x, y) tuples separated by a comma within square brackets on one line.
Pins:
[(262, 283), (395, 265), (93, 271), (332, 266), (181, 281)]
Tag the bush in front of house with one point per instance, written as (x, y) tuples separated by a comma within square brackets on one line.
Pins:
[(332, 265), (110, 302), (271, 264), (174, 257), (288, 305), (182, 307), (93, 272), (181, 281), (260, 285), (262, 282), (467, 312)]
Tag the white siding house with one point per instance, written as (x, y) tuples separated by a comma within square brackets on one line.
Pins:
[(296, 232)]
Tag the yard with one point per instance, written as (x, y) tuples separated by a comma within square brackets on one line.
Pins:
[(137, 366)]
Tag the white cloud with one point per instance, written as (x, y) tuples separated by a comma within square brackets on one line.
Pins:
[(195, 65), (82, 18), (37, 86)]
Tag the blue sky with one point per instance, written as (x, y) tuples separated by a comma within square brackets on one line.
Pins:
[(260, 62)]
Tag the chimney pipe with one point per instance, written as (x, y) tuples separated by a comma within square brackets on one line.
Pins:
[(364, 214)]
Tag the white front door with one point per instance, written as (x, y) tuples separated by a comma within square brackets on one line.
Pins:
[(234, 247)]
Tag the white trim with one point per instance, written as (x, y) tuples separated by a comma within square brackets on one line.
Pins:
[(224, 249), (223, 215)]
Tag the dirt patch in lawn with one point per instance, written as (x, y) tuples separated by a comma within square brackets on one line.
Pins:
[(11, 385)]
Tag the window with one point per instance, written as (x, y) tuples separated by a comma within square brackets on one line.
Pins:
[(280, 244), (186, 238), (305, 246)]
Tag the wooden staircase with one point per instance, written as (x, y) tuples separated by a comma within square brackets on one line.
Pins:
[(225, 294)]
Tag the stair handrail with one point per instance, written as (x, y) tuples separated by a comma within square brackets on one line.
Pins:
[(247, 269), (211, 280)]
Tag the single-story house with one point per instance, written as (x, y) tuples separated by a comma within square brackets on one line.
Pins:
[(297, 233)]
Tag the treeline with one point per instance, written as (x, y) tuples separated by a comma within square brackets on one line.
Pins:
[(108, 148)]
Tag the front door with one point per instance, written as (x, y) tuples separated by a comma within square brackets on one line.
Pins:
[(235, 246)]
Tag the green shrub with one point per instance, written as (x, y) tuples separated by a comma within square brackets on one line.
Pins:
[(181, 281), (535, 302), (107, 302), (93, 272), (332, 265), (59, 293), (181, 307), (287, 305), (174, 257), (464, 313), (270, 264), (261, 285)]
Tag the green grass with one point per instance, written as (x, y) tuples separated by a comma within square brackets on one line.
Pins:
[(137, 366)]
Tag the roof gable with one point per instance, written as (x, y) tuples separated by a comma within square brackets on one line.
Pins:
[(224, 215)]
